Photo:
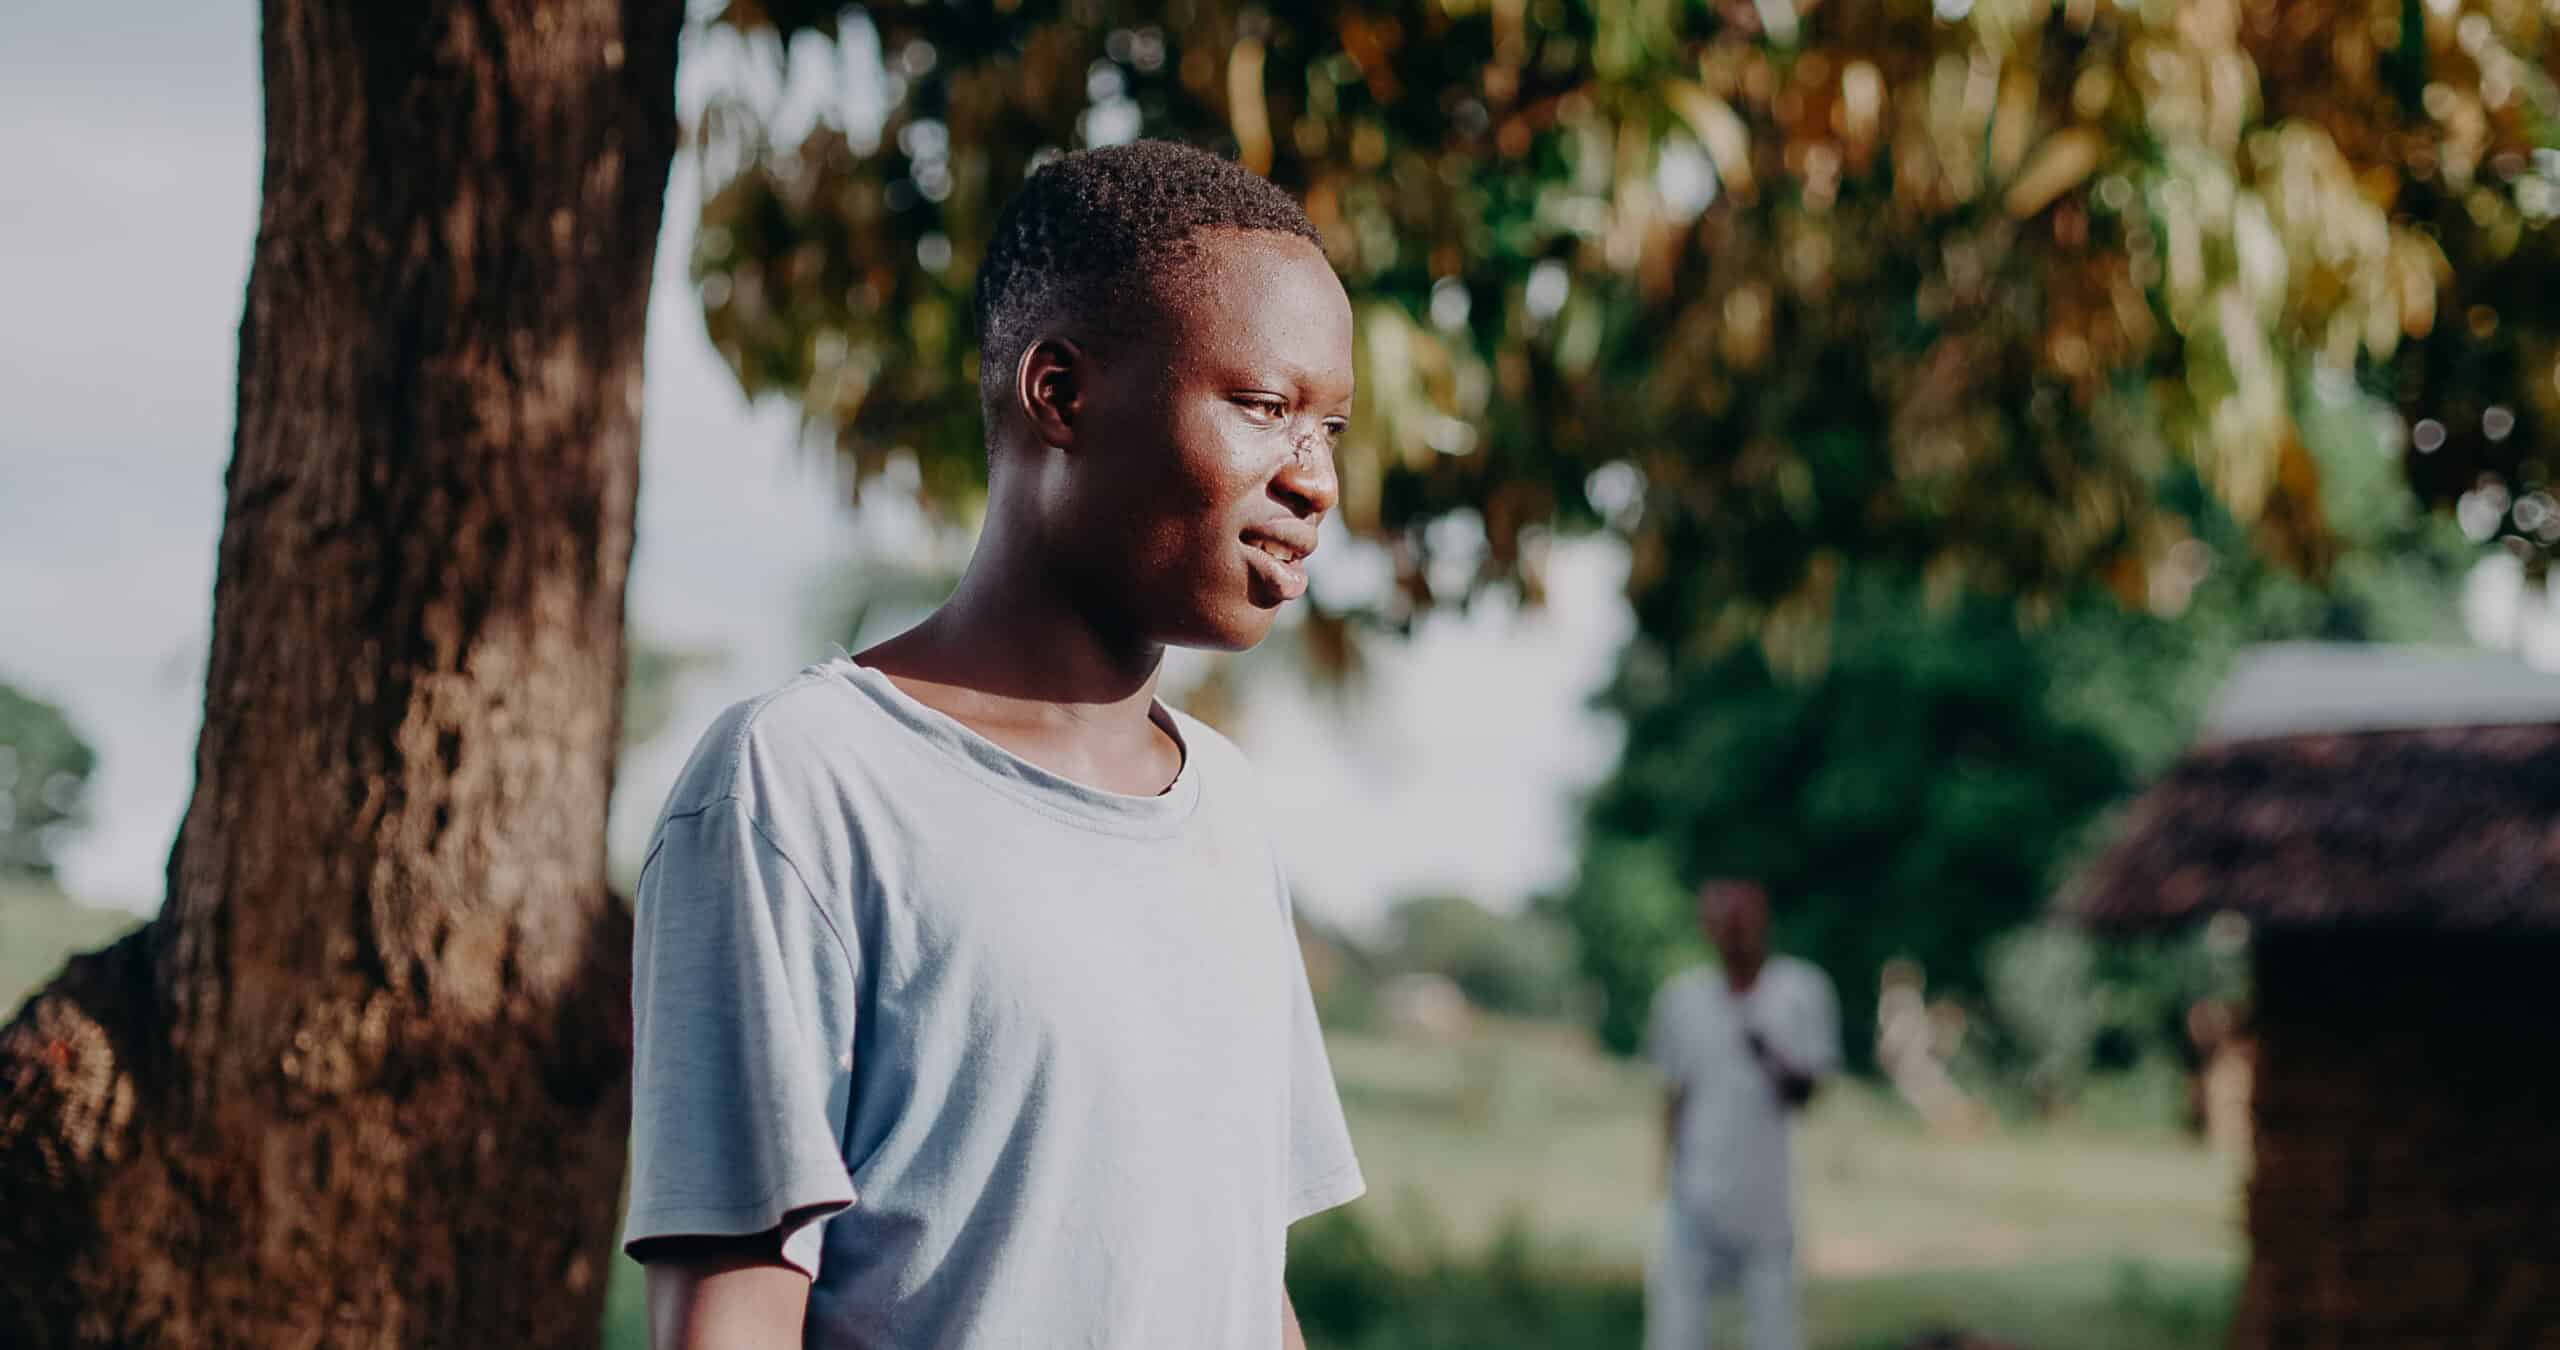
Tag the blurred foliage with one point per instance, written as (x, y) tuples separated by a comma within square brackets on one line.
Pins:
[(1876, 327), (1522, 966), (1519, 964), (1920, 793), (905, 563), (1350, 1295), (653, 676), (44, 783), (1342, 973), (2065, 1006), (1948, 285), (1913, 799), (1352, 1292)]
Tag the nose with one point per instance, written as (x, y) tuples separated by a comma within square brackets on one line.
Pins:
[(1306, 481)]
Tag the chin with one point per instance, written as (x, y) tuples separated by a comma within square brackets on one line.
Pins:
[(1224, 629), (1234, 637)]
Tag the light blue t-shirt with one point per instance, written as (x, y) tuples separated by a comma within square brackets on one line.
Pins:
[(1012, 1060)]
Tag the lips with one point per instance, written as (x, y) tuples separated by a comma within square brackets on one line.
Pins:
[(1276, 554)]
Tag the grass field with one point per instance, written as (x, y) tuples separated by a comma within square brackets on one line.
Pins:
[(1512, 1181), (1526, 1123), (39, 929), (2049, 1237)]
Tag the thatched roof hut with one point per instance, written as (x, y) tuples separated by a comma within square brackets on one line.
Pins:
[(2389, 823)]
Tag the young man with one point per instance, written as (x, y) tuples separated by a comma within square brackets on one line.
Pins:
[(969, 1010), (1741, 1049)]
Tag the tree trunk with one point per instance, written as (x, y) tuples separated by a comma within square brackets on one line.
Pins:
[(363, 1082)]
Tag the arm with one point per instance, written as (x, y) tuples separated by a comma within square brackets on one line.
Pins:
[(1795, 1086), (1804, 1045), (742, 993), (1662, 1049), (1673, 1102), (1290, 1337), (723, 1292)]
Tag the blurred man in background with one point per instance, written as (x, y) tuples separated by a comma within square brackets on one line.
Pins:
[(1741, 1046)]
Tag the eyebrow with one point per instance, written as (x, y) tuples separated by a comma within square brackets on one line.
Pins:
[(1252, 370), (1300, 377)]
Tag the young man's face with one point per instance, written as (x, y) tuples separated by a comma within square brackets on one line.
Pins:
[(1206, 445)]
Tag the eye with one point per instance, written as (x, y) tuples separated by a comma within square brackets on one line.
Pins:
[(1335, 428), (1263, 408)]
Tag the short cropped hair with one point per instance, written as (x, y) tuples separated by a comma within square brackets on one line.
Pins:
[(1092, 232)]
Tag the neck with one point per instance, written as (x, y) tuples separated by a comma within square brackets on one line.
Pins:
[(1013, 632), (1742, 974)]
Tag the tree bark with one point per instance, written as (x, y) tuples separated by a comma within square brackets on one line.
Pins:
[(364, 1080)]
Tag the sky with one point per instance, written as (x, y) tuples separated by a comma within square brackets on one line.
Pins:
[(129, 161)]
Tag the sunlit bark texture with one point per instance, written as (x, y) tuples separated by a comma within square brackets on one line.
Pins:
[(362, 1083)]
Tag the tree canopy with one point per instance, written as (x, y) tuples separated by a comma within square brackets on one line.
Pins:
[(1771, 287), (1921, 793), (1870, 324)]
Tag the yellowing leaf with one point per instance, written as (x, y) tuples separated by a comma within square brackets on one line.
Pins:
[(1719, 128), (2063, 162)]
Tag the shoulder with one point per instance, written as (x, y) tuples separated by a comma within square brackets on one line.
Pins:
[(1800, 976), (1234, 811), (779, 745), (1682, 987), (1219, 761), (1229, 784)]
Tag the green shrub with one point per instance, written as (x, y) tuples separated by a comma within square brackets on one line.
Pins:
[(45, 768), (1522, 965), (2075, 1020), (1351, 1296)]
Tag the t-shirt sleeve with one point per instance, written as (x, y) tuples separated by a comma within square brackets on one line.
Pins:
[(1664, 1037), (743, 998), (1323, 1172)]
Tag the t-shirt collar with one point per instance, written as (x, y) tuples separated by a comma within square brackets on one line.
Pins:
[(1009, 773)]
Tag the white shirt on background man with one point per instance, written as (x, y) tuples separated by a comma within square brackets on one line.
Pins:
[(1733, 1167)]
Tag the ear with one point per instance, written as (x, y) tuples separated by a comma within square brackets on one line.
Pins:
[(1049, 387)]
